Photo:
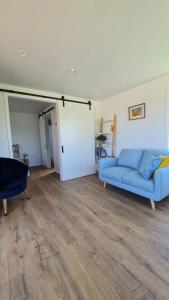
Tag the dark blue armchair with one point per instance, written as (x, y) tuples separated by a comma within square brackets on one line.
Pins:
[(13, 179)]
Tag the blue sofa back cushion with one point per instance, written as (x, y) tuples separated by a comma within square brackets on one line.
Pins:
[(130, 158), (147, 155), (148, 167)]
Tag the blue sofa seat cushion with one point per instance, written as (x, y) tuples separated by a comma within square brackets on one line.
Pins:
[(130, 158), (136, 180), (116, 173)]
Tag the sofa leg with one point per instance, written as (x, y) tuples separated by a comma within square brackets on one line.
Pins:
[(5, 205), (27, 195), (153, 204), (104, 185)]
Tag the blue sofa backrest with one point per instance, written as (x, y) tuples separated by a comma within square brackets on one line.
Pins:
[(130, 158), (134, 158), (148, 153)]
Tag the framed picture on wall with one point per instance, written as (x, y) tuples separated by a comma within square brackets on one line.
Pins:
[(137, 111)]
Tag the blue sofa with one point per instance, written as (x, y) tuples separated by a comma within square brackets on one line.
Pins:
[(123, 172)]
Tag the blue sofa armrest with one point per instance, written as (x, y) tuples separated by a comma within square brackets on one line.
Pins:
[(161, 179), (107, 162)]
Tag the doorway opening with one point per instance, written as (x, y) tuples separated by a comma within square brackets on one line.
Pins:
[(33, 132), (73, 134)]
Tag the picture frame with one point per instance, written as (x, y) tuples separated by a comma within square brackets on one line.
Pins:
[(136, 112)]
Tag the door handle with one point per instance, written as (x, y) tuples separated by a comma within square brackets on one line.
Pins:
[(62, 149)]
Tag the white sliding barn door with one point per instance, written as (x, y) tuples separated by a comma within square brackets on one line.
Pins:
[(77, 144)]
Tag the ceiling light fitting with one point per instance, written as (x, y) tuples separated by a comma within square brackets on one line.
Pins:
[(72, 70), (22, 53)]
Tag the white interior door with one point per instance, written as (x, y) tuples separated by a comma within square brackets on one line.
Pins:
[(77, 144), (43, 140)]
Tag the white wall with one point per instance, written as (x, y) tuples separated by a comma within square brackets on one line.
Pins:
[(25, 132), (151, 132)]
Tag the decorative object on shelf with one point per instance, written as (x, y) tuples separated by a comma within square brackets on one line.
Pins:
[(112, 128), (100, 152), (136, 112), (101, 138)]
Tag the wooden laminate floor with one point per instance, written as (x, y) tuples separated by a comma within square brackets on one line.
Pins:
[(75, 240)]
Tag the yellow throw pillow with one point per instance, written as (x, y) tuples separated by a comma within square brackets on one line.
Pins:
[(164, 162)]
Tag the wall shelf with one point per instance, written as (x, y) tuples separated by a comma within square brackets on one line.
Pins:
[(105, 133), (104, 122), (108, 128), (107, 145)]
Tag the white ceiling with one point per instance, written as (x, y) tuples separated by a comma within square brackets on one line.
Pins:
[(26, 105), (114, 44)]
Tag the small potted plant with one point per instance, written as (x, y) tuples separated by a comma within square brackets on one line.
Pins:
[(101, 139)]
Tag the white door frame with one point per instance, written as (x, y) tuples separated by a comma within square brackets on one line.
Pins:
[(8, 125), (34, 98), (167, 113)]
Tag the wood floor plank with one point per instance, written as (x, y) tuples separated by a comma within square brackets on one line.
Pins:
[(75, 240)]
